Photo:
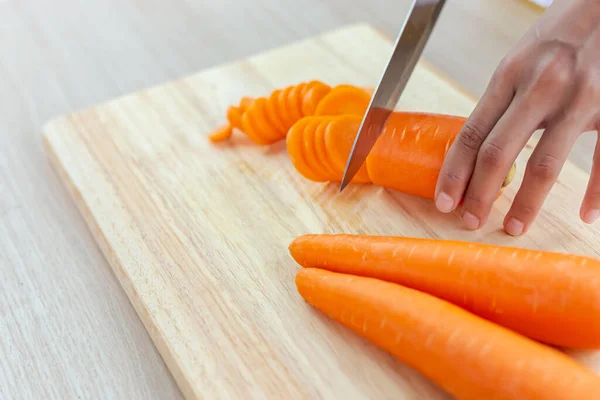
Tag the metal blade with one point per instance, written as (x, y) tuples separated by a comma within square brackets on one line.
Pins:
[(413, 36)]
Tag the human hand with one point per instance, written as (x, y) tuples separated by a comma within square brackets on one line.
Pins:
[(550, 80)]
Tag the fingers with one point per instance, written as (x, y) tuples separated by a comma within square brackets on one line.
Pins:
[(542, 171), (497, 155), (460, 160), (590, 207)]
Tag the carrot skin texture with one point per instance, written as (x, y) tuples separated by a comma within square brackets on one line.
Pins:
[(465, 355), (550, 297), (409, 154)]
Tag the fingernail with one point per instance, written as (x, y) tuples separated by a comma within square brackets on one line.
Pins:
[(591, 216), (471, 221), (444, 203), (514, 227)]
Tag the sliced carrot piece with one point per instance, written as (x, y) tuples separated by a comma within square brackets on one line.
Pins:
[(222, 133), (295, 149), (321, 152), (313, 97), (255, 125), (339, 139), (282, 106), (274, 112), (344, 99), (294, 103), (467, 356), (310, 150)]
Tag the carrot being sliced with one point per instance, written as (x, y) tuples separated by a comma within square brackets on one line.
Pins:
[(339, 139), (344, 99), (310, 151), (468, 357), (550, 297), (409, 154), (313, 97), (295, 149)]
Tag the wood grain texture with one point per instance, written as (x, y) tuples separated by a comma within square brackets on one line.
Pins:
[(197, 234)]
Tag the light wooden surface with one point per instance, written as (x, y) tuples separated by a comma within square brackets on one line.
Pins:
[(67, 328), (198, 234)]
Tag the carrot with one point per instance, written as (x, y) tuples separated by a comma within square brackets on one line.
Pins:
[(269, 118), (339, 144), (550, 297), (468, 357), (408, 155), (329, 166), (296, 150), (222, 133), (313, 97), (344, 99)]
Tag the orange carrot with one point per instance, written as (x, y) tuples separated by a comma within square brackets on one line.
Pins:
[(408, 155), (465, 355), (344, 99), (547, 296), (222, 133), (307, 160), (296, 151), (313, 97), (266, 120), (339, 144)]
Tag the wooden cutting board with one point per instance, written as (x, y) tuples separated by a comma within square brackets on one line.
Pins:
[(198, 234)]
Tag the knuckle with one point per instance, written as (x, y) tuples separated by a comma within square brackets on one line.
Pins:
[(589, 86), (491, 155), (556, 69), (524, 211), (506, 70), (545, 168), (452, 177), (471, 137)]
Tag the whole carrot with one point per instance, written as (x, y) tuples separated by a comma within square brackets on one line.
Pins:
[(465, 355), (547, 296)]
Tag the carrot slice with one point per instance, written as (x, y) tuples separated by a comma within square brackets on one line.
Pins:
[(547, 296), (222, 133), (310, 150), (284, 109), (255, 125), (294, 104), (295, 149), (273, 111), (321, 152), (339, 139), (344, 99), (468, 357), (313, 97)]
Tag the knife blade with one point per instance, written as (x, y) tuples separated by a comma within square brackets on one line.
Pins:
[(411, 40)]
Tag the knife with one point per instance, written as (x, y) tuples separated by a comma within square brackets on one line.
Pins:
[(409, 45)]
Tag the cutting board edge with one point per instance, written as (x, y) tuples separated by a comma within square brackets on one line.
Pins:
[(175, 368)]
